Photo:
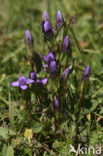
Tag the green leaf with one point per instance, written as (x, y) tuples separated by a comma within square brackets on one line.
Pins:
[(56, 144), (10, 151), (36, 127), (4, 150), (5, 132)]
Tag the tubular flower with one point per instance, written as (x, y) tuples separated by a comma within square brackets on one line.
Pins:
[(53, 68), (50, 57), (33, 75), (28, 38), (56, 104), (22, 82), (66, 72), (46, 25), (86, 73), (65, 45), (59, 20), (45, 16)]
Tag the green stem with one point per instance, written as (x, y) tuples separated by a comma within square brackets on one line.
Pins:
[(79, 104)]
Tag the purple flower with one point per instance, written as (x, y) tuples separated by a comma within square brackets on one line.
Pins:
[(45, 67), (51, 63), (22, 82), (86, 73), (45, 16), (45, 58), (56, 104), (46, 25), (66, 73), (50, 57), (28, 38), (53, 68), (65, 45), (47, 29), (43, 81), (59, 20), (33, 75)]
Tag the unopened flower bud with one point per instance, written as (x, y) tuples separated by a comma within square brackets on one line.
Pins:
[(56, 104), (86, 73), (59, 20), (66, 44), (66, 72), (50, 57), (53, 68), (28, 38), (33, 75), (45, 16)]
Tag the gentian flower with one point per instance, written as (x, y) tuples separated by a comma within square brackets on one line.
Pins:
[(66, 44), (28, 38), (46, 25), (22, 82), (53, 68), (33, 75), (66, 72), (56, 104), (45, 16), (50, 57), (48, 29), (86, 73), (59, 20)]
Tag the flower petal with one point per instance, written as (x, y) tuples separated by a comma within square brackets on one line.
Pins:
[(28, 81), (45, 65), (15, 84), (23, 87), (44, 81), (45, 58)]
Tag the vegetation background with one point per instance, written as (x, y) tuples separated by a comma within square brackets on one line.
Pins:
[(15, 17)]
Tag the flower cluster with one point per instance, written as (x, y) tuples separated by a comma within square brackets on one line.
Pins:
[(50, 64), (22, 82)]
